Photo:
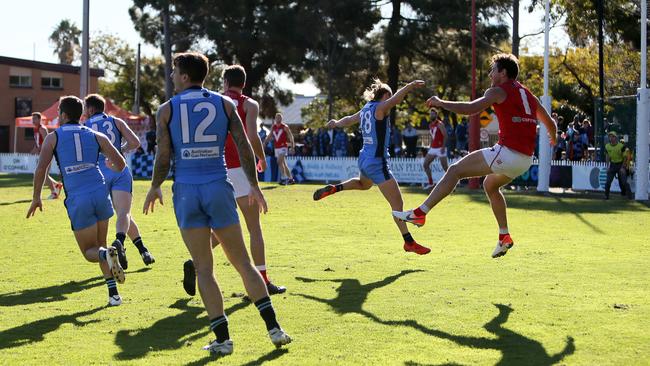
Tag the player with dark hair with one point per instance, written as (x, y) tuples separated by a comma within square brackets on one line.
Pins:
[(281, 133), (76, 149), (518, 111), (194, 125), (119, 185), (40, 132), (373, 166), (234, 80)]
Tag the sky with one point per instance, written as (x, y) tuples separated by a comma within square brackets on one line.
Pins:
[(25, 26)]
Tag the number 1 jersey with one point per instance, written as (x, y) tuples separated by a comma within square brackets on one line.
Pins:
[(76, 153)]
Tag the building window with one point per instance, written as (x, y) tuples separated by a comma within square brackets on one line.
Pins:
[(20, 81), (51, 83), (23, 107)]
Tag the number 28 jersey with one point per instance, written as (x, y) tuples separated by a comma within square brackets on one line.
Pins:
[(376, 133), (198, 128), (517, 118)]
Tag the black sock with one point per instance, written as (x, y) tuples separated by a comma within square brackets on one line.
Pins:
[(339, 187), (112, 286), (266, 311), (121, 237), (220, 328), (140, 245), (408, 238)]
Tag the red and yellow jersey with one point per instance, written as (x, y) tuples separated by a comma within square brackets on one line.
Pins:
[(232, 156), (279, 135), (437, 138), (517, 116)]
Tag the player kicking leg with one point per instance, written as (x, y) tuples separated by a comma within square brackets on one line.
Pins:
[(518, 112)]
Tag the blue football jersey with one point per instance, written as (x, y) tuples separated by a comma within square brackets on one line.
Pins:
[(198, 129), (105, 124), (376, 134), (77, 153)]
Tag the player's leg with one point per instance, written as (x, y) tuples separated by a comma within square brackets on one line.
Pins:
[(492, 187), (611, 173), (134, 234), (122, 204), (622, 180), (232, 243), (361, 183), (52, 184), (197, 241), (390, 190), (428, 159), (472, 165), (444, 162)]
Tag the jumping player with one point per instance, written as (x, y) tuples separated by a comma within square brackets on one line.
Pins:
[(234, 79), (120, 185), (40, 132), (280, 133), (76, 149), (437, 148), (518, 112), (194, 125), (373, 167)]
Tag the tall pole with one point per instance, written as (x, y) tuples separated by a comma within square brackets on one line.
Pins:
[(598, 121), (85, 51), (136, 99), (169, 88), (545, 151), (642, 128), (474, 122)]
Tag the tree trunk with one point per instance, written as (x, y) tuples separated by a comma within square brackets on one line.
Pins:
[(167, 50), (515, 27), (393, 49)]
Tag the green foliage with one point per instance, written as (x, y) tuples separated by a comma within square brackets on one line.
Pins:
[(65, 38)]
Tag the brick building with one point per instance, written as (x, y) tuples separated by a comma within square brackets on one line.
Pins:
[(32, 86)]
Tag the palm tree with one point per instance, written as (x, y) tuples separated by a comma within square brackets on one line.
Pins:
[(66, 40)]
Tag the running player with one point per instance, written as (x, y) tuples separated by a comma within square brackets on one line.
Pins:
[(518, 112), (194, 125), (120, 185), (373, 167), (437, 148), (40, 132), (280, 133), (76, 149), (234, 79)]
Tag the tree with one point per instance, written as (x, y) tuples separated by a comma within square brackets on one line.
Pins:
[(65, 38)]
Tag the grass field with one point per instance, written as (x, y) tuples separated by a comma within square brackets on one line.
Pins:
[(575, 290)]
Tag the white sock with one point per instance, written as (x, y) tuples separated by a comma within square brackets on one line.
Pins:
[(503, 230), (261, 268), (425, 209)]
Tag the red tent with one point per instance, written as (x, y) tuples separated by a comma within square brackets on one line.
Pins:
[(50, 117)]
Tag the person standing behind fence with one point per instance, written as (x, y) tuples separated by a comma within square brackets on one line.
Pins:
[(616, 160), (410, 136), (461, 136)]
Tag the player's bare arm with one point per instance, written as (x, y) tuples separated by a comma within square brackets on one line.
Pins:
[(44, 160), (492, 96), (443, 130), (132, 140), (252, 111), (163, 155), (547, 121), (115, 160), (384, 108), (345, 121), (287, 130)]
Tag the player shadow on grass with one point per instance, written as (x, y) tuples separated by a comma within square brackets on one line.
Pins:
[(36, 331), (515, 348), (14, 202), (54, 293), (172, 332), (351, 293), (271, 356)]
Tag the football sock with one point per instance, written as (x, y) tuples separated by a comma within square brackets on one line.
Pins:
[(219, 326), (262, 270), (112, 286), (121, 237), (408, 238), (502, 233), (140, 245), (266, 311), (421, 211), (339, 187), (102, 254)]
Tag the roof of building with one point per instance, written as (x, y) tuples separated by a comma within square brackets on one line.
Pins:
[(69, 69), (292, 113)]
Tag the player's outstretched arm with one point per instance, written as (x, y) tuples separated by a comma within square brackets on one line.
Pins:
[(163, 155), (547, 121), (397, 98), (132, 140), (44, 159), (492, 96), (246, 156), (116, 160), (345, 121)]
